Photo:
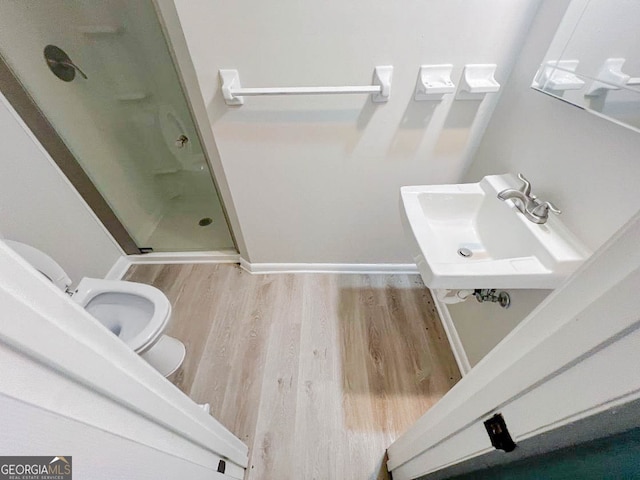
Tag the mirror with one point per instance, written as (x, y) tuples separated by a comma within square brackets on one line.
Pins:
[(594, 60)]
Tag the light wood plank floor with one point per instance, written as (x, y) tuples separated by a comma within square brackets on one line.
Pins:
[(317, 373)]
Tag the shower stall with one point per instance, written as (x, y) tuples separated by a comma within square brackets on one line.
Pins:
[(96, 82)]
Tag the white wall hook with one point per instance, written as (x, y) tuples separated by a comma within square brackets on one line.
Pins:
[(477, 80), (434, 81), (233, 93), (559, 76), (609, 77)]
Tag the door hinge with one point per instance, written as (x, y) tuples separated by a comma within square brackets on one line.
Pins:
[(146, 250), (499, 434), (222, 466)]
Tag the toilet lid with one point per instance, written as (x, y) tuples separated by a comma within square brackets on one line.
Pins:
[(41, 262)]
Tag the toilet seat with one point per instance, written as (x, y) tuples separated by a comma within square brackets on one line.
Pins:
[(135, 312)]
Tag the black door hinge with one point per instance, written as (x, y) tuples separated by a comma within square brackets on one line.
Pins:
[(145, 249), (499, 434), (222, 466)]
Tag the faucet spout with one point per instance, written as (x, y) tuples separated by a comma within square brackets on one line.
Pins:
[(514, 194), (533, 209)]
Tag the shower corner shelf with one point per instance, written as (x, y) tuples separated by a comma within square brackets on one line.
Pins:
[(93, 30), (434, 82), (131, 97)]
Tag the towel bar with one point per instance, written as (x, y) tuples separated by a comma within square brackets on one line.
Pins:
[(233, 93)]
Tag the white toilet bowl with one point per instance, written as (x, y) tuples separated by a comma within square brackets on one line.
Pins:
[(136, 313)]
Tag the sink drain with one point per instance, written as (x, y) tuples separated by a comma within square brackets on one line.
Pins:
[(464, 252), (205, 221)]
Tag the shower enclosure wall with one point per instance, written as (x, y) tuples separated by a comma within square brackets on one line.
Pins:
[(127, 123)]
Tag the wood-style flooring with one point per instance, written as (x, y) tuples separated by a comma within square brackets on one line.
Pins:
[(317, 373)]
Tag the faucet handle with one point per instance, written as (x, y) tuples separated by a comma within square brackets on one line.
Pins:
[(550, 206), (542, 209), (553, 208), (526, 188)]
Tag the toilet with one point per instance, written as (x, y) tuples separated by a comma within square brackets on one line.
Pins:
[(136, 313)]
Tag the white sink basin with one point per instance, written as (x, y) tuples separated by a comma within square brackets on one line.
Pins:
[(507, 250)]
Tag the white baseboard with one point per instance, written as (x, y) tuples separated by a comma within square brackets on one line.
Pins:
[(452, 334), (370, 268), (217, 256), (119, 268), (121, 265), (231, 256)]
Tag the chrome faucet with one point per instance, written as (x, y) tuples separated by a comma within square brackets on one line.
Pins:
[(533, 209)]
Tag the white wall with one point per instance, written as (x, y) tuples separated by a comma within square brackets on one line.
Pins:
[(316, 179), (38, 206), (482, 326), (587, 166)]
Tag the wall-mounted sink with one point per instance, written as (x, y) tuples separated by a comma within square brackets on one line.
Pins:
[(466, 237)]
